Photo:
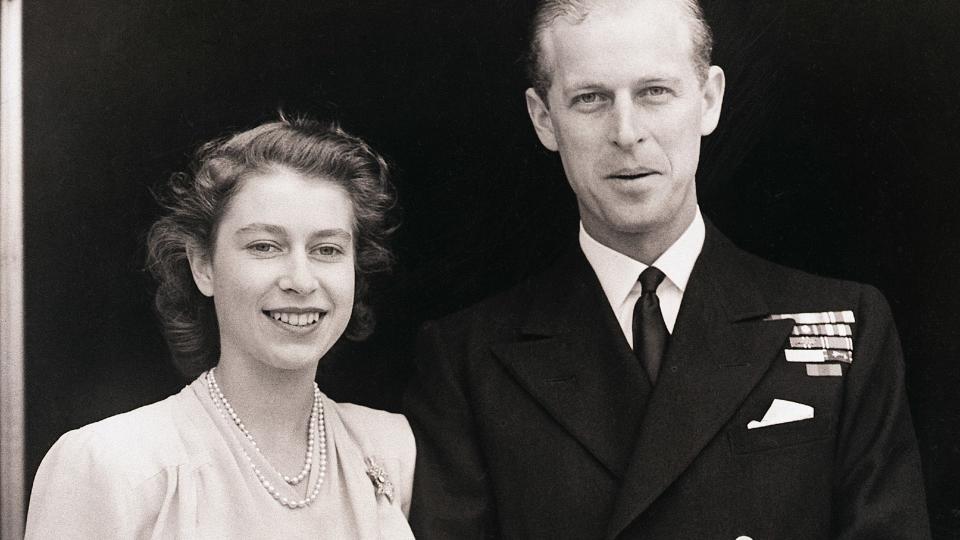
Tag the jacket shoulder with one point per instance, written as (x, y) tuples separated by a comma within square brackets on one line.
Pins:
[(791, 289), (500, 310), (501, 315)]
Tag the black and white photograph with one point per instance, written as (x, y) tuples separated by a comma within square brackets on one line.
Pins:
[(585, 269)]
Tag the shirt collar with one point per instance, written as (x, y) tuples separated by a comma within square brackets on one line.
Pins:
[(618, 273)]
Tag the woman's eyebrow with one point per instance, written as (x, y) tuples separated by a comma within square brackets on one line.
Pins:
[(277, 230), (262, 227), (332, 233)]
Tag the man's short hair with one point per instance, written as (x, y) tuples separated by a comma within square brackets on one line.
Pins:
[(548, 11)]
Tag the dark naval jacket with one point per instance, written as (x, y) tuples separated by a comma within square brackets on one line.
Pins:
[(533, 418)]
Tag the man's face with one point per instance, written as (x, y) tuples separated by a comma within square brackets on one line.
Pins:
[(626, 111)]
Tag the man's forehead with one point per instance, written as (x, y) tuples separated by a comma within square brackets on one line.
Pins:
[(646, 34), (578, 11)]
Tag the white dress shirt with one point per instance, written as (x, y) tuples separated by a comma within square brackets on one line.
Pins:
[(618, 274)]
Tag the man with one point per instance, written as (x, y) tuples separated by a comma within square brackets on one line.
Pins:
[(657, 382)]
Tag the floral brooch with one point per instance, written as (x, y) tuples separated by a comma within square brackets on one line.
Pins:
[(379, 478)]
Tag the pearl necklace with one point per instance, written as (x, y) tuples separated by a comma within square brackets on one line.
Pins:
[(308, 460), (317, 424)]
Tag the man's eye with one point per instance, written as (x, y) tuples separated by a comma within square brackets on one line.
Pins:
[(587, 99), (656, 91)]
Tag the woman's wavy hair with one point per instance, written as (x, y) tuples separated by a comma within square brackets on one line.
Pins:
[(196, 202)]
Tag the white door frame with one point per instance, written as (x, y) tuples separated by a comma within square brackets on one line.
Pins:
[(11, 272)]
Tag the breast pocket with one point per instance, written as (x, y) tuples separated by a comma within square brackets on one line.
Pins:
[(745, 441)]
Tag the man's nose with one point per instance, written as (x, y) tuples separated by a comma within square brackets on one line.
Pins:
[(626, 128), (297, 276)]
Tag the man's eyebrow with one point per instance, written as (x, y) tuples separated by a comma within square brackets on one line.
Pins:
[(584, 84), (588, 84), (654, 80)]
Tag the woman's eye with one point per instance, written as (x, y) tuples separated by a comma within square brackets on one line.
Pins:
[(262, 248), (328, 251)]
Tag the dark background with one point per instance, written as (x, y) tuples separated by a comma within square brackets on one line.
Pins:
[(838, 152)]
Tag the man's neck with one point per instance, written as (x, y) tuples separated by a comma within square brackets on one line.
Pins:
[(644, 246)]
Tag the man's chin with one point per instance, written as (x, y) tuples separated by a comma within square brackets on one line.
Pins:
[(641, 224)]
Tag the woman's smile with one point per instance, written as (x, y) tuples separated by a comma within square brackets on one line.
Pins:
[(284, 248), (296, 322), (296, 318)]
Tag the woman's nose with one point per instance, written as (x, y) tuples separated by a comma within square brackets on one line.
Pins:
[(298, 277)]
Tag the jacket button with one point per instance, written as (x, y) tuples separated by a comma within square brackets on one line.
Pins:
[(744, 538)]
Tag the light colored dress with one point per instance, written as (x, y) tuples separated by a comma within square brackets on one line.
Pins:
[(178, 469)]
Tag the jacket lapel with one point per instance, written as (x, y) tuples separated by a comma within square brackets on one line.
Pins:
[(572, 358), (719, 350)]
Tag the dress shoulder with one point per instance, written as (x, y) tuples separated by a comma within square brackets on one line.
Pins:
[(385, 436), (131, 440), (374, 424), (96, 479)]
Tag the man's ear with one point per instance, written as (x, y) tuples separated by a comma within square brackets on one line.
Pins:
[(713, 89), (542, 123), (201, 268)]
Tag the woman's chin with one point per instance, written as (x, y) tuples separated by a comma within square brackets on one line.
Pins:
[(295, 361)]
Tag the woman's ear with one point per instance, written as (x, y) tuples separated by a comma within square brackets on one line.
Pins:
[(201, 268)]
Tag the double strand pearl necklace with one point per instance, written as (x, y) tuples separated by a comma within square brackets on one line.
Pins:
[(317, 424)]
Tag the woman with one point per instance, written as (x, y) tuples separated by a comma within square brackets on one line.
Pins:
[(263, 263)]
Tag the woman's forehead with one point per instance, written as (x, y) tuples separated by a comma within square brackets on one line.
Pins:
[(289, 200)]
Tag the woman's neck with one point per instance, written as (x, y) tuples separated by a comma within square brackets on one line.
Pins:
[(273, 404)]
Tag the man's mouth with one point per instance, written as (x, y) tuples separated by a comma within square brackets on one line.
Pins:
[(631, 174), (296, 318)]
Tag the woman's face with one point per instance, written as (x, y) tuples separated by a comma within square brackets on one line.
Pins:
[(282, 271)]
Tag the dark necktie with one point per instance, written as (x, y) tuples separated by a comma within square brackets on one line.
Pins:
[(649, 331)]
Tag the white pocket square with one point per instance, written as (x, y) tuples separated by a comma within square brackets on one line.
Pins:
[(782, 411)]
